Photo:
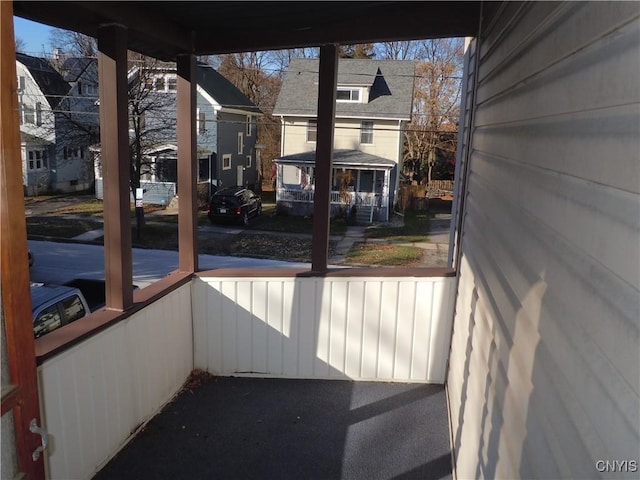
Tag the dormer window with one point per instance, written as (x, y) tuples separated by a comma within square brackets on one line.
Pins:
[(159, 84), (349, 94)]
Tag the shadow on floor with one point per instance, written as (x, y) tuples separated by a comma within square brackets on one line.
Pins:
[(255, 428)]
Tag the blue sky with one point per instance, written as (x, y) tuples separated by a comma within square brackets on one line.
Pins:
[(35, 36)]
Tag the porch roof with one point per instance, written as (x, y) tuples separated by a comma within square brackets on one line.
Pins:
[(341, 158), (165, 29)]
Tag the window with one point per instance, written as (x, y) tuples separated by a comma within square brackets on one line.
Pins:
[(366, 132), (79, 88), (28, 114), (248, 160), (47, 320), (172, 83), (38, 113), (73, 153), (202, 122), (159, 84), (240, 142), (90, 90), (38, 160), (249, 125), (312, 130), (346, 94), (226, 162), (73, 308)]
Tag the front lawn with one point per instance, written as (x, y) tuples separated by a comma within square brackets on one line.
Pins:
[(414, 229), (384, 255), (60, 227)]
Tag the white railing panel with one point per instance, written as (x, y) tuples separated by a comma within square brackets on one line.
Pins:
[(97, 393), (388, 329)]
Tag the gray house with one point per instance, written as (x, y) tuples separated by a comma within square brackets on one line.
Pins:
[(373, 103), (58, 122), (226, 130)]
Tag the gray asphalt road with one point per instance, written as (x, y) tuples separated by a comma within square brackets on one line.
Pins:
[(62, 262)]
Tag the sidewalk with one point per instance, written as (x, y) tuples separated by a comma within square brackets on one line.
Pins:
[(436, 249)]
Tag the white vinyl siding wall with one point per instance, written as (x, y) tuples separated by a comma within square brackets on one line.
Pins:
[(97, 394), (544, 368), (346, 136), (388, 329)]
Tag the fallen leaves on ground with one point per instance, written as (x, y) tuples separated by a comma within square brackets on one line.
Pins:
[(274, 246)]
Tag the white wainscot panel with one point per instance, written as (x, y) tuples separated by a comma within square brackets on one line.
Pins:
[(95, 395), (389, 329)]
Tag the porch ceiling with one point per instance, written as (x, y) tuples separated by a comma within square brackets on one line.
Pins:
[(165, 29), (341, 158)]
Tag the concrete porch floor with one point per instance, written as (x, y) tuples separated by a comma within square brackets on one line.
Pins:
[(257, 428)]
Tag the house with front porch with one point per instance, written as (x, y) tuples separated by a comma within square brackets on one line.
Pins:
[(226, 132), (58, 121), (374, 101)]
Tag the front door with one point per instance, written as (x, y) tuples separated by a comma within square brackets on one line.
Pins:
[(240, 176), (20, 408)]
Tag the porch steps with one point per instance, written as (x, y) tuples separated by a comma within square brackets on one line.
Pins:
[(363, 216)]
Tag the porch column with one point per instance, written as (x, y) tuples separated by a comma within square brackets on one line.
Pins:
[(116, 165), (385, 193), (187, 164), (19, 382), (328, 77)]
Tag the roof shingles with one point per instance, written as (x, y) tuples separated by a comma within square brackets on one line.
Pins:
[(48, 79), (224, 92), (391, 83)]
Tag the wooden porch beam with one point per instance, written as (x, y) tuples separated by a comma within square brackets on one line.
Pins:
[(19, 391), (328, 79), (187, 164), (142, 20), (116, 164)]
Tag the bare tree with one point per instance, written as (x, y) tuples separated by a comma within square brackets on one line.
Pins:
[(151, 111), (73, 43), (21, 44), (359, 50), (282, 58), (152, 120), (401, 50), (431, 134)]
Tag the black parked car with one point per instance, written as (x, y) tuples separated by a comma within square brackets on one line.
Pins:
[(235, 204)]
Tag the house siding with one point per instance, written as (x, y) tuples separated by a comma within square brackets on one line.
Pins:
[(209, 139), (56, 132), (544, 372), (346, 136), (229, 126)]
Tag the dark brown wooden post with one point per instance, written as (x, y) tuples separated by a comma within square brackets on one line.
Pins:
[(187, 165), (116, 164), (328, 75), (20, 387)]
